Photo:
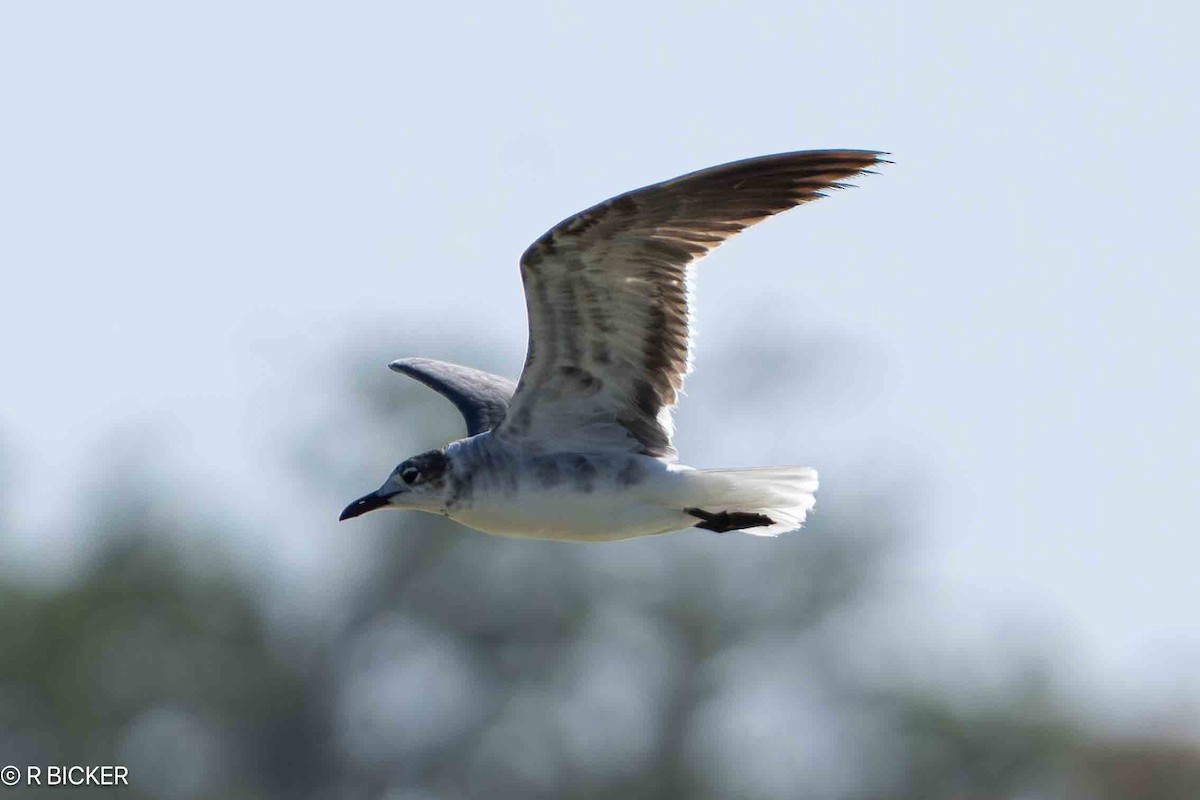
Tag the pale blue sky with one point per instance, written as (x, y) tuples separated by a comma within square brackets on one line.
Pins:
[(201, 200)]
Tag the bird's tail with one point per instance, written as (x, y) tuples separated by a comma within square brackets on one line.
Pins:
[(784, 495)]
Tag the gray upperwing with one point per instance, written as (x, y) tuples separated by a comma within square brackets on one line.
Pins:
[(481, 397)]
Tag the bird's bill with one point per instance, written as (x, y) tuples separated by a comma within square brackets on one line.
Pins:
[(368, 502)]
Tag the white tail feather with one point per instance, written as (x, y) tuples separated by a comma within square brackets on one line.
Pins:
[(785, 494)]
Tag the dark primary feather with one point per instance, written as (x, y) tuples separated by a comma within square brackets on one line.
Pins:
[(481, 397), (606, 292)]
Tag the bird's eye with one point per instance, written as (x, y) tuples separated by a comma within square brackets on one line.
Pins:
[(409, 475)]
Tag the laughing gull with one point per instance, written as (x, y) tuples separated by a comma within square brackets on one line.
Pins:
[(580, 448)]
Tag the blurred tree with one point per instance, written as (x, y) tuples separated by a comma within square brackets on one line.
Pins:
[(147, 662), (1148, 769), (464, 666)]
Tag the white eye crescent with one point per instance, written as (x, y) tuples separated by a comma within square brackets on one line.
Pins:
[(410, 474)]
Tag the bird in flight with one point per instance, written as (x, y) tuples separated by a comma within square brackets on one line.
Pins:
[(580, 448)]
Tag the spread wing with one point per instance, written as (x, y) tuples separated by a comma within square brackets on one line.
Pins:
[(481, 397), (607, 296)]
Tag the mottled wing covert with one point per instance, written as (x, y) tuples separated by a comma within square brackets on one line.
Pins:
[(607, 297)]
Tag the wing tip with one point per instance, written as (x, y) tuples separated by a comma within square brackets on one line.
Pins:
[(403, 365), (829, 167), (866, 158)]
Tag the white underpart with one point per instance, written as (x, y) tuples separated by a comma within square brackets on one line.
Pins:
[(564, 512), (520, 504)]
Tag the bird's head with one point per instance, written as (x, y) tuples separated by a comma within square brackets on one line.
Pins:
[(418, 483)]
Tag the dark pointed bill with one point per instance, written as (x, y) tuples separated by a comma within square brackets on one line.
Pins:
[(362, 505)]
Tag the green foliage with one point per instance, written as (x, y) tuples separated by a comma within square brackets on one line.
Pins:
[(455, 665)]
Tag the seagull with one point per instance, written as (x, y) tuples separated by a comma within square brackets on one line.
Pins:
[(580, 448)]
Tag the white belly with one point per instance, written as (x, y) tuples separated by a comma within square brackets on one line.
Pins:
[(616, 498), (569, 517)]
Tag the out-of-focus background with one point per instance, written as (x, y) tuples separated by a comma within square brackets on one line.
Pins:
[(221, 220)]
